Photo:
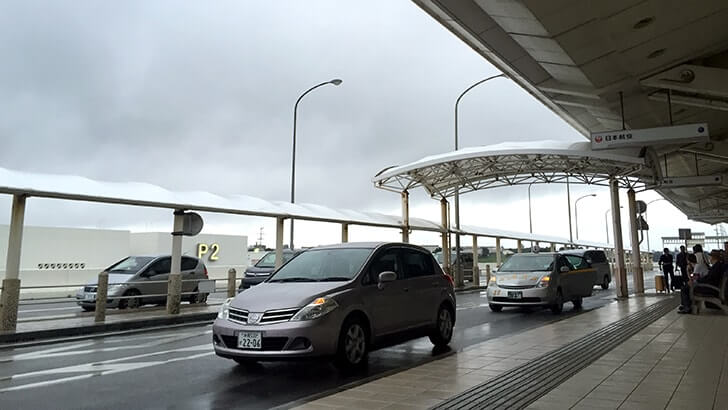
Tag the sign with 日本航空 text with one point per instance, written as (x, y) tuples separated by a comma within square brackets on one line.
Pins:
[(650, 136)]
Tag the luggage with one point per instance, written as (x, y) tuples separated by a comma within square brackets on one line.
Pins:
[(660, 283)]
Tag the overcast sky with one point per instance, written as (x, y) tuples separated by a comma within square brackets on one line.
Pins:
[(199, 96)]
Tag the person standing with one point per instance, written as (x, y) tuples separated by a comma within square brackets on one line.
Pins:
[(667, 269), (682, 263)]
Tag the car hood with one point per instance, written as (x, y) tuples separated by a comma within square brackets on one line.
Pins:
[(277, 295), (519, 279), (114, 278)]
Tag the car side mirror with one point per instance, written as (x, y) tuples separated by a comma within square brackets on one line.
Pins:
[(564, 269), (387, 276)]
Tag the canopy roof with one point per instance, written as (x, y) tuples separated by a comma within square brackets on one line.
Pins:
[(142, 194), (514, 163)]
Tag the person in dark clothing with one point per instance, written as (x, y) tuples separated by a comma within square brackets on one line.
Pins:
[(714, 277), (682, 263), (667, 269)]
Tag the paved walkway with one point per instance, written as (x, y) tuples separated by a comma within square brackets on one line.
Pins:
[(678, 362), (431, 384)]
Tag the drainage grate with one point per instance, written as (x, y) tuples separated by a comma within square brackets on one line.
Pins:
[(524, 384)]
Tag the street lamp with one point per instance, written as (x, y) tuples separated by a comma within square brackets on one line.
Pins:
[(606, 221), (530, 222), (457, 193), (648, 232), (576, 212), (335, 81)]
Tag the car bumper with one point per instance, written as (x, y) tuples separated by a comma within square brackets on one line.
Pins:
[(88, 300), (529, 296), (288, 340)]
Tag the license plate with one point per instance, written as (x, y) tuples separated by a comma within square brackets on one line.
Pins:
[(249, 340), (515, 295)]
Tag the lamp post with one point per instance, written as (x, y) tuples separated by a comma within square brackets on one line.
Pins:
[(457, 193), (530, 222), (576, 212), (606, 221), (648, 232), (335, 81)]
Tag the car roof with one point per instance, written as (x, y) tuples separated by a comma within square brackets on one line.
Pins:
[(368, 245), (579, 251), (158, 256)]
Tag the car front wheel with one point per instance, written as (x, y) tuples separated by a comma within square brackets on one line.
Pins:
[(558, 305), (353, 349), (442, 334)]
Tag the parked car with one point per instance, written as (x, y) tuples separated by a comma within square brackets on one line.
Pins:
[(598, 260), (466, 259), (263, 268), (339, 301), (143, 280), (541, 279)]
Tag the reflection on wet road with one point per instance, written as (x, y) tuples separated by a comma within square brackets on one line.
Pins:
[(177, 368)]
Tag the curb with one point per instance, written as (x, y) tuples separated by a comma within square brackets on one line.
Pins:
[(8, 339)]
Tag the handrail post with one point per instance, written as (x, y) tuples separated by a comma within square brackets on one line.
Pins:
[(102, 292), (10, 296), (174, 283), (476, 267), (232, 277)]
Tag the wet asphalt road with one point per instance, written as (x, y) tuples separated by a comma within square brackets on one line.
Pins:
[(177, 367)]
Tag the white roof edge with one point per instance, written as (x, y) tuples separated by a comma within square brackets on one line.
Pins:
[(543, 147)]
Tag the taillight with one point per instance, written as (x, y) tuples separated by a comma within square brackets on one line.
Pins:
[(449, 279), (205, 267)]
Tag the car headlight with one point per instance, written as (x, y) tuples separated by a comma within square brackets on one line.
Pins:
[(544, 282), (316, 309), (224, 309), (493, 280)]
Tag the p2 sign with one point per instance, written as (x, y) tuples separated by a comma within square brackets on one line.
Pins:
[(212, 250)]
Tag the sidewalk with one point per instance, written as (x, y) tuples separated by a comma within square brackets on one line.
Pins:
[(678, 362), (433, 383)]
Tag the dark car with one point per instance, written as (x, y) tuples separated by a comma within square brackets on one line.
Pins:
[(263, 268)]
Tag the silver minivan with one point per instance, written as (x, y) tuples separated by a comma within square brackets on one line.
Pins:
[(341, 301), (143, 280), (597, 259), (541, 279)]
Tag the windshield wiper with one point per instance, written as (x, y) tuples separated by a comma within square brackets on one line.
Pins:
[(335, 279), (294, 279)]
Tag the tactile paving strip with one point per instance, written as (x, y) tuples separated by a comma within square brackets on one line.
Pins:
[(524, 384)]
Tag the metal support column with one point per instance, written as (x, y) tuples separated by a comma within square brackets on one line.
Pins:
[(279, 242), (232, 282), (102, 293), (174, 283), (405, 216), (520, 246), (553, 247), (344, 233), (445, 237), (476, 268), (11, 283), (621, 274), (637, 272), (498, 253)]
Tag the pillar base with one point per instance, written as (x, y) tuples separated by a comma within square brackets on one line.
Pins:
[(9, 299), (174, 297)]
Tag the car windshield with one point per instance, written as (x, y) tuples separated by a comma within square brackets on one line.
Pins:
[(439, 257), (130, 265), (267, 261), (319, 265), (528, 263)]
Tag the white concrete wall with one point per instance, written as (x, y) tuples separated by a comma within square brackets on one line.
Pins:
[(233, 250), (74, 256)]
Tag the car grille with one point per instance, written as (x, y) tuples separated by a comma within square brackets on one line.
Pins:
[(238, 316), (516, 287), (269, 317), (267, 343), (278, 316), (89, 289)]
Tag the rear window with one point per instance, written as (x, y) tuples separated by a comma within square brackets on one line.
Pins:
[(598, 256), (189, 263), (528, 263)]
